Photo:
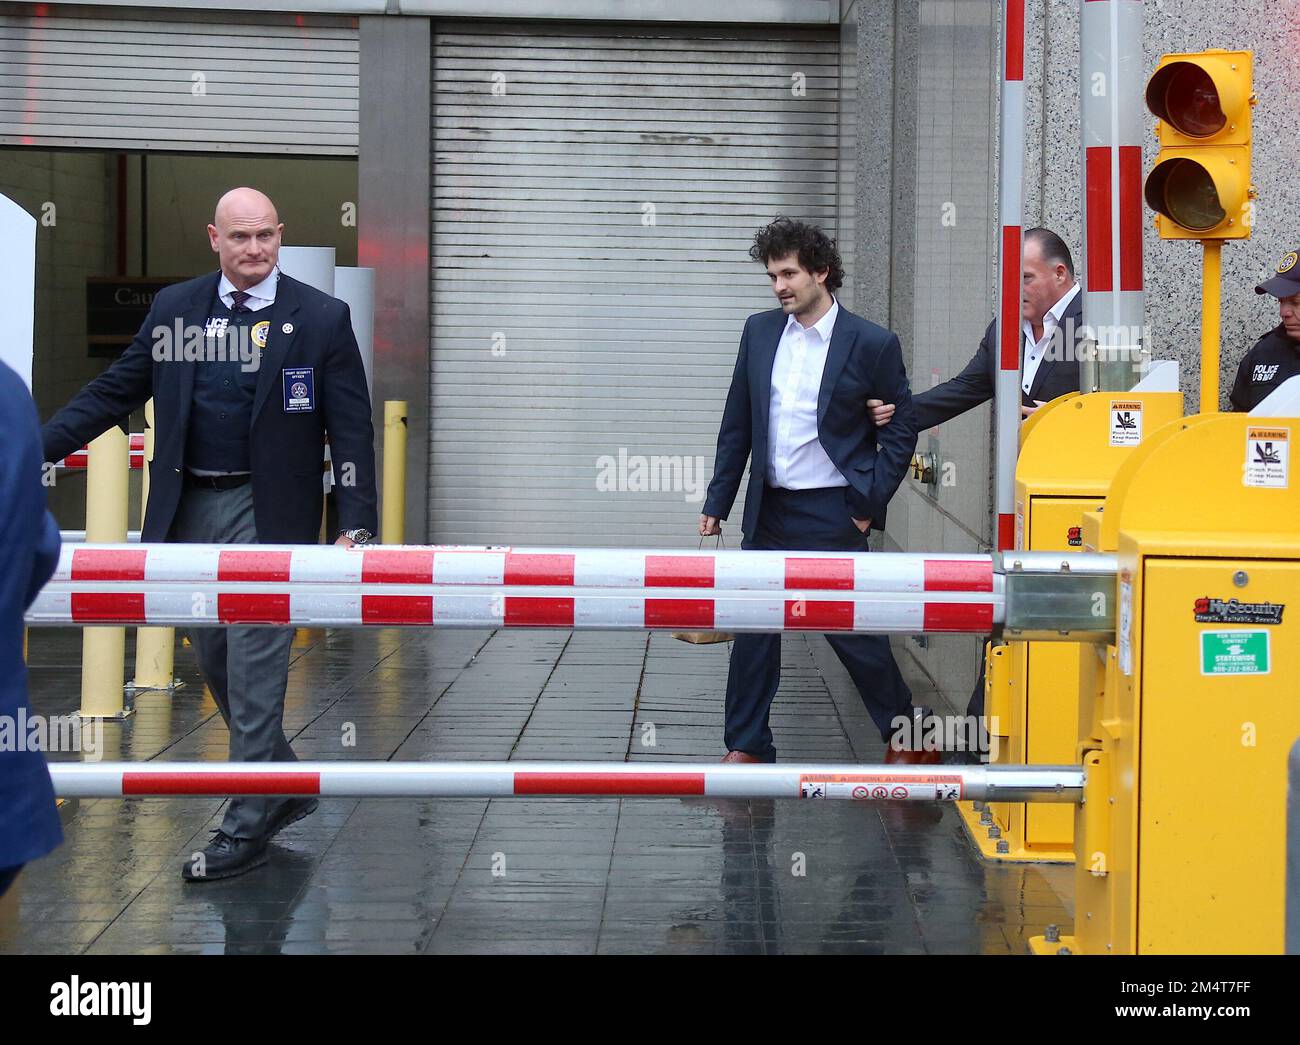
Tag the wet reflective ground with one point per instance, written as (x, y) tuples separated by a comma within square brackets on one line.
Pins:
[(572, 876)]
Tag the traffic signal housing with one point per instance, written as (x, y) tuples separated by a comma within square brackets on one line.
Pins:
[(1200, 184)]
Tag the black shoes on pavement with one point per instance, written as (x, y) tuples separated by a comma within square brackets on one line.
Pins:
[(227, 856)]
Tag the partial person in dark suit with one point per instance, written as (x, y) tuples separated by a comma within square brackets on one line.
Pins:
[(249, 371), (29, 820), (1051, 339), (821, 475), (1052, 332)]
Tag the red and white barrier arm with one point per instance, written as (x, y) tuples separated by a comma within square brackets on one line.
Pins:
[(530, 567), (76, 461), (191, 604), (585, 779), (1011, 168)]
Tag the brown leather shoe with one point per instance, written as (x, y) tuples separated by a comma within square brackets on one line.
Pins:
[(741, 756), (895, 757)]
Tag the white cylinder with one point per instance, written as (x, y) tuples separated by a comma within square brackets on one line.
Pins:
[(311, 265), (356, 287)]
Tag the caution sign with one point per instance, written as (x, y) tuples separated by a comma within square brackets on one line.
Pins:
[(929, 787), (1234, 653), (1125, 423), (1267, 457)]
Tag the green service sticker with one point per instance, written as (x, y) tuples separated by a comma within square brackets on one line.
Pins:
[(1234, 653)]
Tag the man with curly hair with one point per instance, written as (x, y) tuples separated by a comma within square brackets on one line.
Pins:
[(821, 473)]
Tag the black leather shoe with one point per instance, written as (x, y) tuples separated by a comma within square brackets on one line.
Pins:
[(289, 812), (224, 857)]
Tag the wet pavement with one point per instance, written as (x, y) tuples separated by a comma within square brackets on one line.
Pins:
[(565, 876)]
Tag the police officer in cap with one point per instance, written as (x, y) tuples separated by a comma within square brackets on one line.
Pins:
[(1276, 356)]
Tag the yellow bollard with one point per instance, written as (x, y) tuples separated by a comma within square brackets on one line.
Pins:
[(154, 647), (393, 517), (103, 650)]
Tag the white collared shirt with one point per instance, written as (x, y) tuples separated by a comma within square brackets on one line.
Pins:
[(1036, 350), (795, 458), (259, 297)]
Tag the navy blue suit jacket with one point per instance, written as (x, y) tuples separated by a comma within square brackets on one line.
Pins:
[(1057, 374), (287, 448), (863, 362), (29, 821)]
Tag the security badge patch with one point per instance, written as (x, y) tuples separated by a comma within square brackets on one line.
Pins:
[(260, 332), (1288, 262), (299, 390)]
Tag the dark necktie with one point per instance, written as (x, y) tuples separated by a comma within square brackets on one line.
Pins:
[(237, 299)]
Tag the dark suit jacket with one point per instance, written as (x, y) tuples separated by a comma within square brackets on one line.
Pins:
[(1057, 374), (29, 822), (863, 361), (287, 448)]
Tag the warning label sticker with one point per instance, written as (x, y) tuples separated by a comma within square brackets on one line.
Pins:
[(929, 787), (1234, 653), (1267, 457), (1125, 423)]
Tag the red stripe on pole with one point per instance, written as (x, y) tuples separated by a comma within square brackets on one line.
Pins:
[(103, 564), (679, 613), (1015, 69), (252, 609), (396, 566), (76, 460), (1009, 348), (679, 571), (221, 783), (822, 574), (98, 606), (959, 616), (236, 565), (1006, 532), (958, 575), (522, 568), (1097, 189), (801, 615), (396, 609), (527, 612), (1130, 217), (609, 784)]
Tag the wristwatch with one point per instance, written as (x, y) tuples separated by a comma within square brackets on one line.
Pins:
[(359, 536)]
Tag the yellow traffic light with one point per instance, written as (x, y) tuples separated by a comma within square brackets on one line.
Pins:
[(1200, 184)]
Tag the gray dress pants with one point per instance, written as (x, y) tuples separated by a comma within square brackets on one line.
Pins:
[(246, 669)]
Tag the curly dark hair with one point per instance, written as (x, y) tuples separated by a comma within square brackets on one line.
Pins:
[(816, 250)]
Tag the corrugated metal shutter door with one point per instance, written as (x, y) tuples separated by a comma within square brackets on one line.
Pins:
[(591, 276), (184, 81)]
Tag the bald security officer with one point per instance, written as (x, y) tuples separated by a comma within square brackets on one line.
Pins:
[(249, 371)]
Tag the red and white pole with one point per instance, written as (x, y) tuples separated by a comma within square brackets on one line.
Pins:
[(1011, 175), (580, 779), (1111, 109)]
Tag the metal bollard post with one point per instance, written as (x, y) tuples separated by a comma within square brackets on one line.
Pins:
[(392, 523), (103, 649), (154, 647)]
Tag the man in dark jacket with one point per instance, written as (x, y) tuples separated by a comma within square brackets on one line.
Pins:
[(29, 821), (820, 475), (249, 371), (1051, 334), (1275, 357)]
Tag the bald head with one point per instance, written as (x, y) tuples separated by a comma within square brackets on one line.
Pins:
[(245, 235), (245, 203)]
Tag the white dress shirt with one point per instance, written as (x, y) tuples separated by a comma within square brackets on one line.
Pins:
[(259, 297), (1036, 350), (795, 458)]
